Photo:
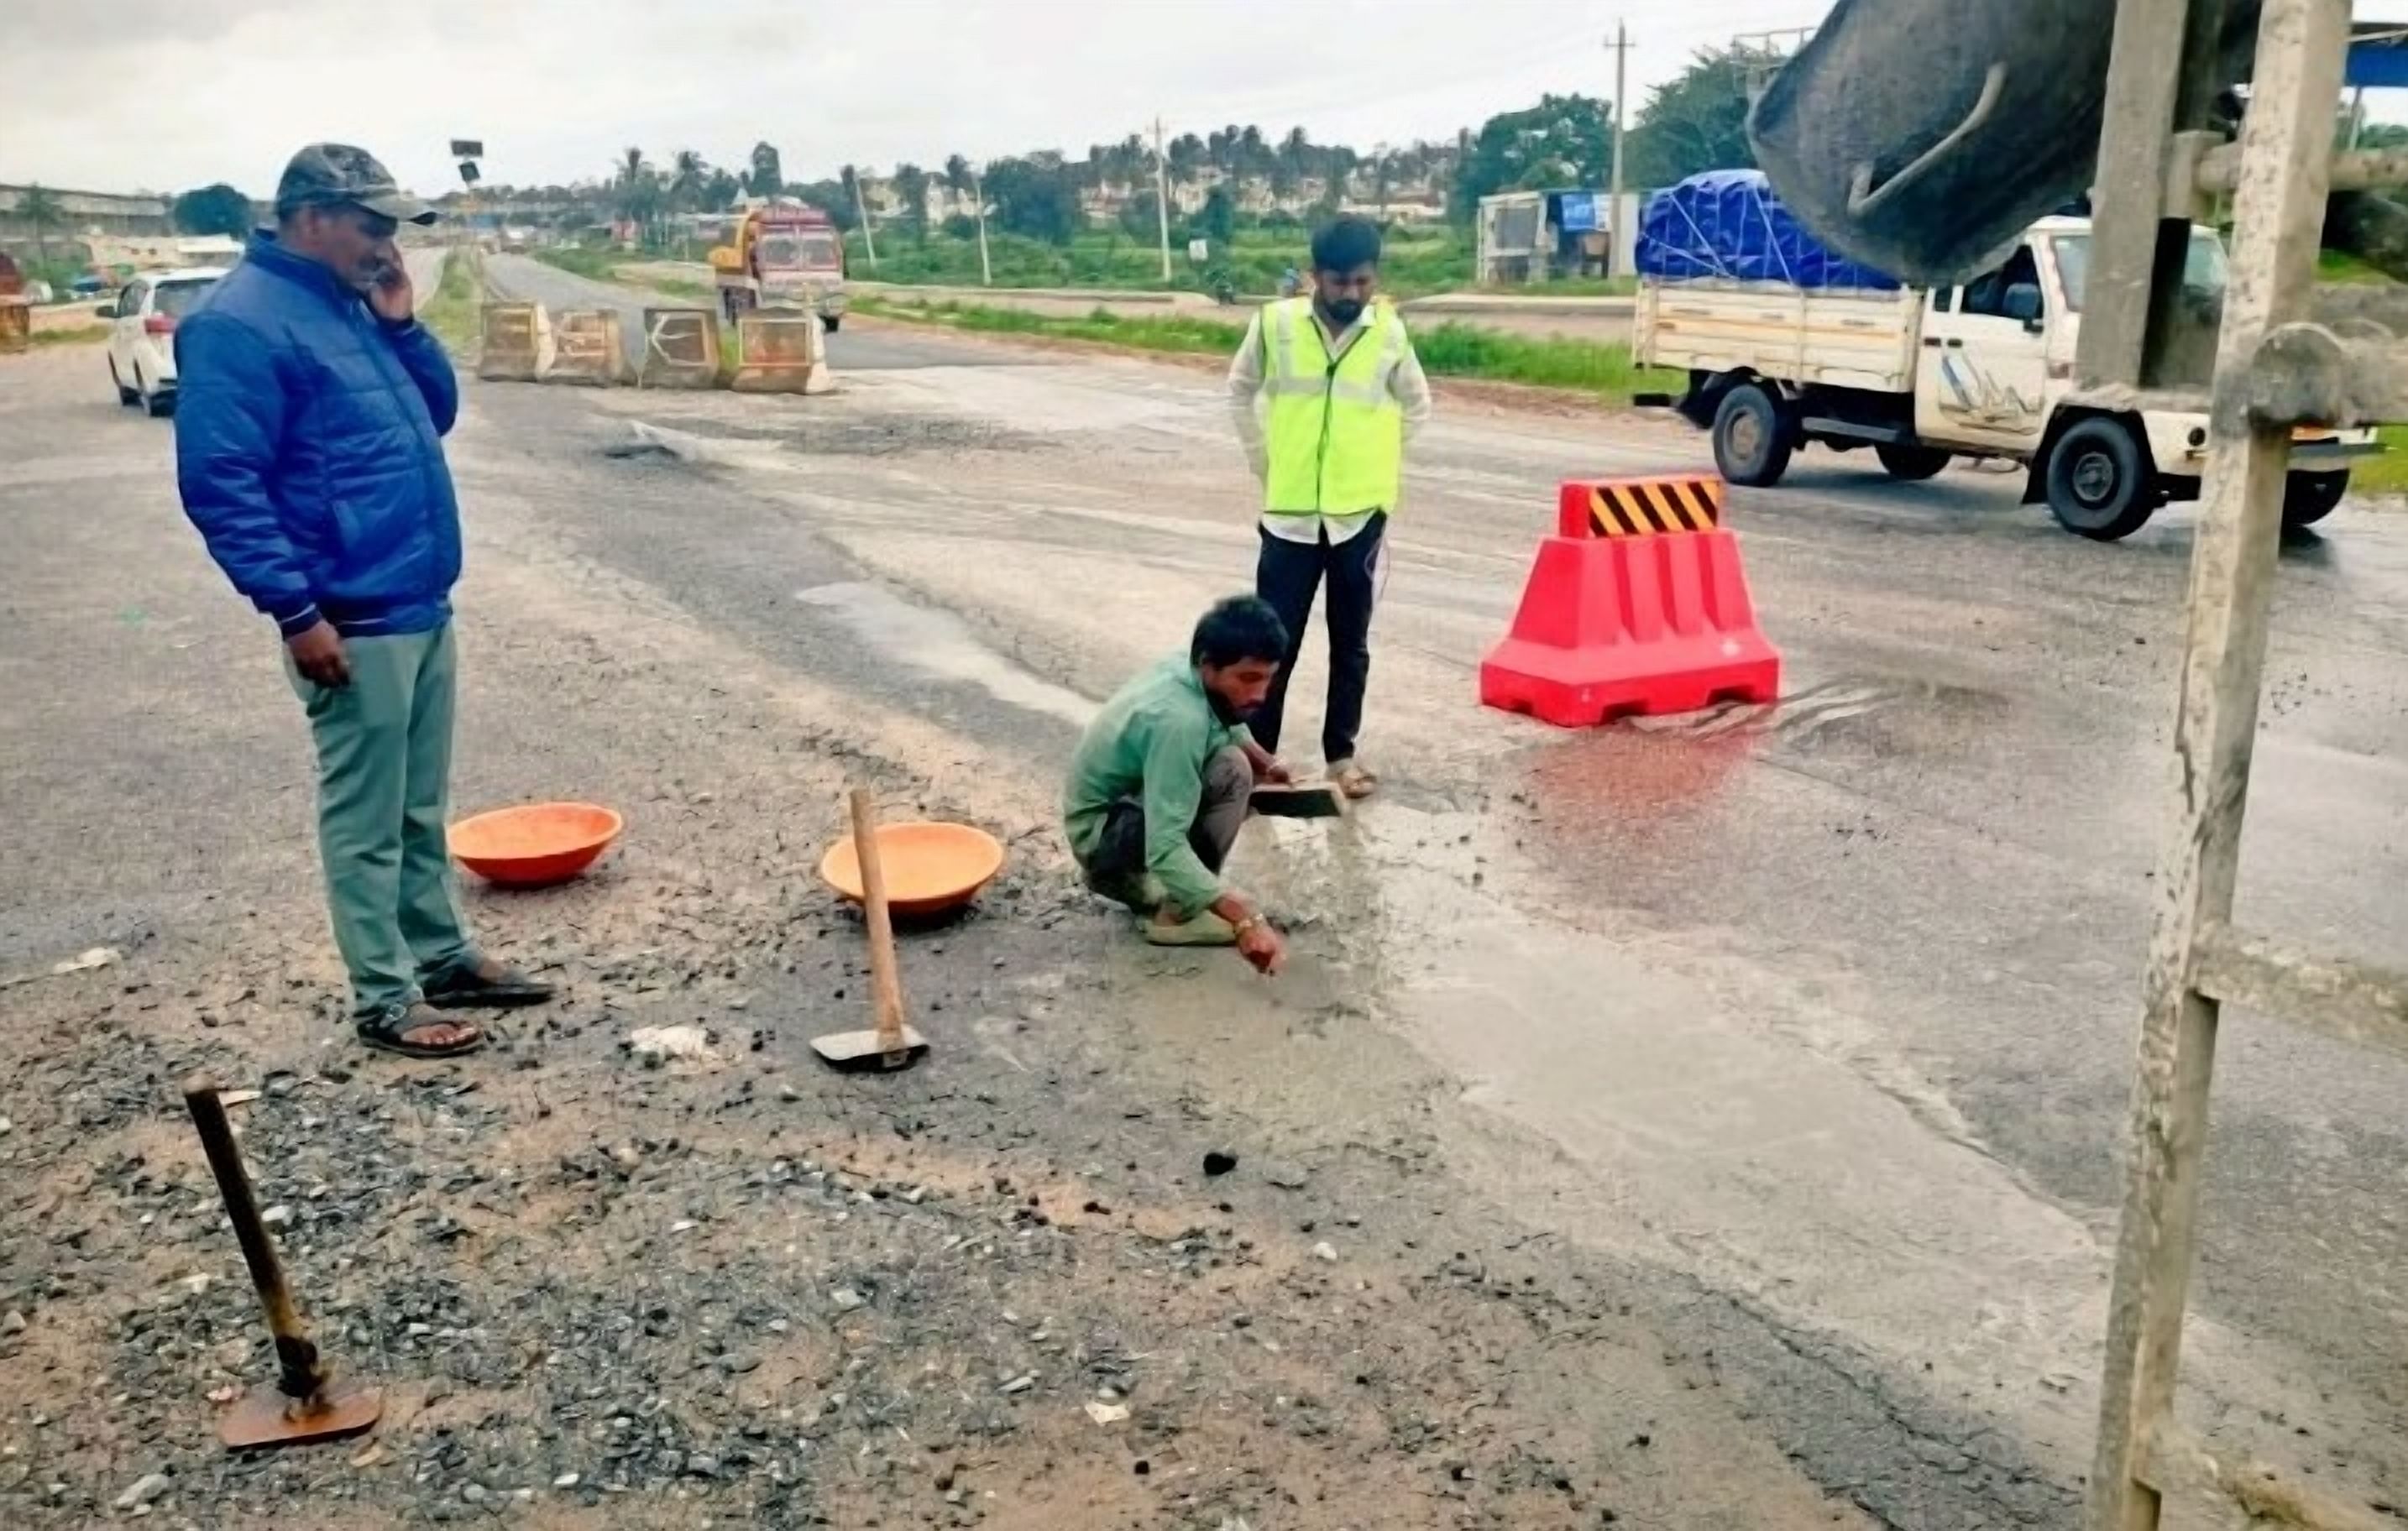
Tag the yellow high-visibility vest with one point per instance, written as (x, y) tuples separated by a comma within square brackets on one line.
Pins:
[(1334, 434)]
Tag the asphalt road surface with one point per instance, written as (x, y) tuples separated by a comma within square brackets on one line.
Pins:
[(1832, 1005), (1820, 1013)]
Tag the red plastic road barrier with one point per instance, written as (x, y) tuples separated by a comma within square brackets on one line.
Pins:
[(1637, 605)]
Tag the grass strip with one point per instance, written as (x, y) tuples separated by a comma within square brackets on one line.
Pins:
[(593, 264), (454, 313), (83, 334), (1447, 350)]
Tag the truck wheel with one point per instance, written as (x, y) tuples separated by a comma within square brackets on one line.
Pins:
[(1905, 460), (1752, 443), (2101, 482), (829, 321), (2310, 497)]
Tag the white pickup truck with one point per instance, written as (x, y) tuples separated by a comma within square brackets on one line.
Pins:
[(1980, 372)]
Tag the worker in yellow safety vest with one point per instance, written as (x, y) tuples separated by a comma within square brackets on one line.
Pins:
[(1324, 393)]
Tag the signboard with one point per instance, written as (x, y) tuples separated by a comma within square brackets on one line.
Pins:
[(467, 148), (1198, 252), (469, 174), (1516, 230), (1577, 212)]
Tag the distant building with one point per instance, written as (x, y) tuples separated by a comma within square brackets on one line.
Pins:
[(1397, 209), (121, 254), (80, 214)]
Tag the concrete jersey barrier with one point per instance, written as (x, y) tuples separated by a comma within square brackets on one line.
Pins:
[(515, 344), (781, 352), (586, 349), (680, 348)]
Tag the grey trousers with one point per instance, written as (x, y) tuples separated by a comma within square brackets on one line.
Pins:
[(1118, 870), (384, 769)]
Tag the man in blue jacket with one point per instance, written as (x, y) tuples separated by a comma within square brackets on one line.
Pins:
[(308, 449)]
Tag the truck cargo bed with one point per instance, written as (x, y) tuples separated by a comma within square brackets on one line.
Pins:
[(1835, 338)]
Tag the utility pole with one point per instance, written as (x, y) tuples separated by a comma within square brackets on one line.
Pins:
[(1621, 46), (978, 192), (1162, 197), (861, 210)]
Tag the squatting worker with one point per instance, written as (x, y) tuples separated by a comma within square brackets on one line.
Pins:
[(1162, 780), (310, 452), (1325, 391)]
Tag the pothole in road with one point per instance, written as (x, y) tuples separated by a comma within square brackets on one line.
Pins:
[(884, 435)]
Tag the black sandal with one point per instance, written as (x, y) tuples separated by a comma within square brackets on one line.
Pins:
[(388, 1031), (485, 983)]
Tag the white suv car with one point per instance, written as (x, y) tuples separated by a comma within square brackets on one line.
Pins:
[(142, 339)]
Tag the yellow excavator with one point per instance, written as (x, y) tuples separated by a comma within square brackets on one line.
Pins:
[(785, 255)]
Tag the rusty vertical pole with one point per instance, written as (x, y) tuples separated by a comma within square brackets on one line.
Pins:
[(305, 1405)]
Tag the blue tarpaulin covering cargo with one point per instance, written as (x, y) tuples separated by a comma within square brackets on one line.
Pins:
[(1729, 223)]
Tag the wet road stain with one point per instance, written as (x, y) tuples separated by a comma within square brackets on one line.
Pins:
[(942, 646)]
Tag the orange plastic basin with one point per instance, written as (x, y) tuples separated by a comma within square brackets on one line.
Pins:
[(534, 844), (930, 868)]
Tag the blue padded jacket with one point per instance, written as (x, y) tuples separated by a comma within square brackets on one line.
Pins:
[(309, 449)]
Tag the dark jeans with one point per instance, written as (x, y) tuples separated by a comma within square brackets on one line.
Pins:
[(1286, 576)]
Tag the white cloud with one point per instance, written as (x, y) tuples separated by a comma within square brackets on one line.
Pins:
[(169, 94)]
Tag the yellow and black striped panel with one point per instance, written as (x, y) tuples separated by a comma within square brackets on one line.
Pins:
[(1641, 506)]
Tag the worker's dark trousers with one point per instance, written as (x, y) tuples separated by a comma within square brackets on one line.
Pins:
[(1286, 576)]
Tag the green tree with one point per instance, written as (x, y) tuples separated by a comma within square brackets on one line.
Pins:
[(1251, 155), (689, 183), (1565, 140), (1138, 218), (767, 177), (1290, 164), (1218, 222), (213, 209), (834, 199), (1384, 163), (959, 177), (41, 209), (1697, 120), (689, 173), (911, 188), (636, 191), (1036, 196), (1187, 155), (1337, 164)]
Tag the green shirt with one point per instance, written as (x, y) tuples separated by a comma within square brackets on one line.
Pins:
[(1151, 743)]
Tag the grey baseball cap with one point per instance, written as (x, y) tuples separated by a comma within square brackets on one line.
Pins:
[(328, 174)]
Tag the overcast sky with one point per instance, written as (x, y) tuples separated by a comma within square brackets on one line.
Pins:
[(167, 95)]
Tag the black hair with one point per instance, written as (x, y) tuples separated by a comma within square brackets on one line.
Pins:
[(1344, 243), (1240, 628)]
